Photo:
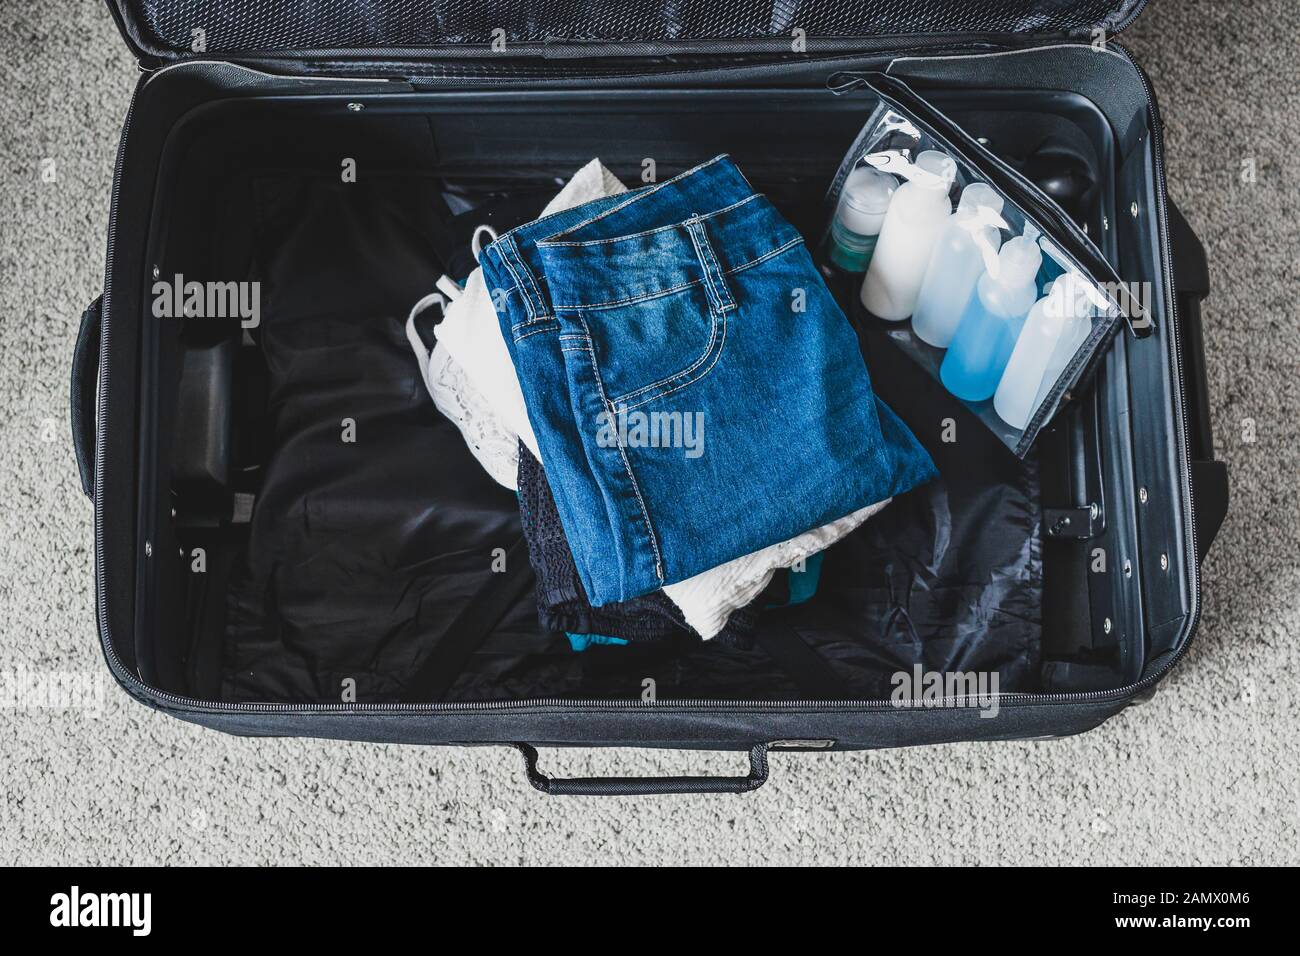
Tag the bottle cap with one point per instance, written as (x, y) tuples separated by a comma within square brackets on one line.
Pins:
[(1019, 261), (978, 195), (865, 200), (1070, 297), (869, 191), (980, 212), (938, 164)]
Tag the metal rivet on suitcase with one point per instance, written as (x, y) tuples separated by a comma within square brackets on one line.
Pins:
[(356, 107), (1105, 625), (1164, 562), (1134, 210), (1142, 495), (148, 550)]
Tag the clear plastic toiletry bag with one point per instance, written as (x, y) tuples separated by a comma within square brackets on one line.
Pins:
[(971, 269)]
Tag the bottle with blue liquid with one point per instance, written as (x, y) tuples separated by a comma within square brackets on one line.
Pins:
[(991, 322), (957, 263)]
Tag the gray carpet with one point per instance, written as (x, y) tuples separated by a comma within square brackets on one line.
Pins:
[(1205, 773)]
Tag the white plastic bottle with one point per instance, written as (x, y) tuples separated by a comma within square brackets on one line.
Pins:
[(917, 214), (1053, 322), (959, 258)]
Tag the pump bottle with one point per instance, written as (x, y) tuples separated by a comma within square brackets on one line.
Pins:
[(917, 214), (992, 321), (970, 238)]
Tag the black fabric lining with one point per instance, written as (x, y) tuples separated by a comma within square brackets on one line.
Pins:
[(448, 657), (362, 556)]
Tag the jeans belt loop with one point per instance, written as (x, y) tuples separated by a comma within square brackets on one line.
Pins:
[(714, 281), (525, 281)]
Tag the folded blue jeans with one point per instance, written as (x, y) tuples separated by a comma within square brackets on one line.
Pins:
[(696, 392)]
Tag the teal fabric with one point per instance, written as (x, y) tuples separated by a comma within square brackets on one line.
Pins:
[(580, 642), (800, 586), (803, 584)]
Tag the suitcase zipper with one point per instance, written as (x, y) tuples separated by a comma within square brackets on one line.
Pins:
[(456, 73), (576, 50), (161, 698)]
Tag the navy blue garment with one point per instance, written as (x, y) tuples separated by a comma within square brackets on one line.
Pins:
[(562, 603)]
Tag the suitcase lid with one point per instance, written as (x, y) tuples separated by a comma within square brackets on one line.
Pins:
[(161, 31)]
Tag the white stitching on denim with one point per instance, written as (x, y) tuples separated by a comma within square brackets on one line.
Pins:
[(681, 385), (797, 240), (641, 297), (711, 293), (537, 305), (556, 244), (718, 318), (531, 322), (535, 302), (647, 296), (714, 316), (503, 255), (520, 338), (622, 453), (714, 267), (634, 195), (719, 298), (561, 212)]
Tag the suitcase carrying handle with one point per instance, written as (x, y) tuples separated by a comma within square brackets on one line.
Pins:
[(1191, 286), (644, 786), (85, 374)]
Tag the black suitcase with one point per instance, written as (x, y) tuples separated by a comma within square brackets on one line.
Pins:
[(246, 583)]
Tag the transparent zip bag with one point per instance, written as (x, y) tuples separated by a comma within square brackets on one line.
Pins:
[(973, 271)]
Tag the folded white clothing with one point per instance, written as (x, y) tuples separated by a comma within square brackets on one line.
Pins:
[(494, 445), (707, 600), (472, 335), (472, 338)]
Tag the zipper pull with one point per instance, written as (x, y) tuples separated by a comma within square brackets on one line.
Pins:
[(845, 82)]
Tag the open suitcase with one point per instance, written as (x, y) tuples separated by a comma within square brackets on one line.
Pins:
[(257, 576)]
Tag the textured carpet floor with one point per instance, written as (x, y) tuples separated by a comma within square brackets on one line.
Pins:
[(1205, 773)]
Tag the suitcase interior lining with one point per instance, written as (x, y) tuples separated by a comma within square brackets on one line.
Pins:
[(359, 555)]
